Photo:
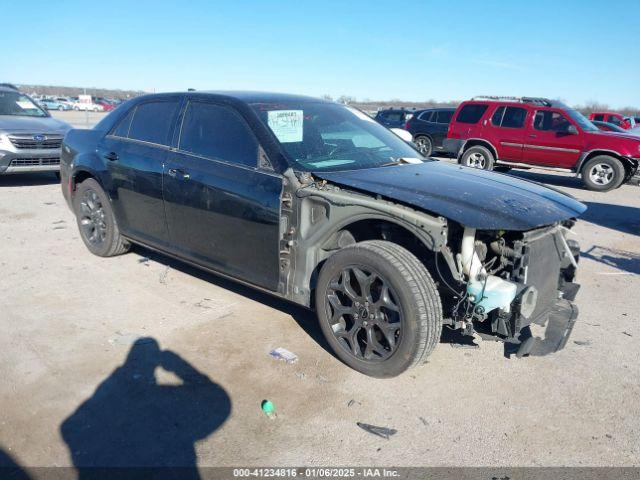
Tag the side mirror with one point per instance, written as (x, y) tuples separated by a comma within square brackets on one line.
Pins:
[(403, 134), (572, 130)]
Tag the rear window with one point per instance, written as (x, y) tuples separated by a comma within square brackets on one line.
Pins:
[(426, 116), (509, 117), (444, 116), (216, 132), (152, 122), (513, 117), (471, 113), (394, 116)]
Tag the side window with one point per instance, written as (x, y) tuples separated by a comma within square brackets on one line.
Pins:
[(599, 117), (394, 116), (152, 122), (614, 120), (122, 128), (546, 120), (496, 118), (471, 113), (426, 116), (218, 132), (444, 116), (514, 117)]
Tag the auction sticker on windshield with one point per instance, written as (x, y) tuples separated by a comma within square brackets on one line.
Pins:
[(286, 125)]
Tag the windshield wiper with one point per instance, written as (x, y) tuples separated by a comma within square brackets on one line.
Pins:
[(401, 161)]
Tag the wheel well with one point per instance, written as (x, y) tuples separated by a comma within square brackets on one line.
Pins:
[(474, 143), (377, 229), (80, 177), (628, 164), (428, 135)]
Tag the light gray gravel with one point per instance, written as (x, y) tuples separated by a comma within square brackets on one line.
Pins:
[(69, 319)]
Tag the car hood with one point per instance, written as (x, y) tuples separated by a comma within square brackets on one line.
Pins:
[(471, 197), (14, 123)]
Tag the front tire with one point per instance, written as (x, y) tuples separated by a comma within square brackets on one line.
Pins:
[(478, 157), (96, 221), (378, 308), (603, 173), (424, 145)]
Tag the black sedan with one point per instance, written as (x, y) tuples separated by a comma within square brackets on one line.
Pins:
[(317, 203)]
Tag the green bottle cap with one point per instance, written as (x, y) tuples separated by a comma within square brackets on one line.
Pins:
[(267, 406)]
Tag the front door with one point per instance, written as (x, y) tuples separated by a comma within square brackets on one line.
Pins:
[(135, 152), (223, 209), (549, 141)]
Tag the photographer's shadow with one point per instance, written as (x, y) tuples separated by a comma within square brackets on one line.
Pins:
[(133, 421)]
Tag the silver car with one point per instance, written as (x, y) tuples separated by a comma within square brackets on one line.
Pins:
[(30, 139)]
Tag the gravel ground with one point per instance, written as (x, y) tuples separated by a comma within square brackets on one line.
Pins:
[(192, 387)]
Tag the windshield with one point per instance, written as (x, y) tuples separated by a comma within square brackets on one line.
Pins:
[(330, 137), (584, 123), (15, 103)]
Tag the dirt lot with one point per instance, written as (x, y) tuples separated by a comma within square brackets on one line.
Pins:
[(75, 388)]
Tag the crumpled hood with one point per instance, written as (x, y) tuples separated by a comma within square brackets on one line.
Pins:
[(471, 197), (15, 123)]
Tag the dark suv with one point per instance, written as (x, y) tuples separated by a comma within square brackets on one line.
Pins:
[(429, 129), (394, 117), (316, 203), (507, 132)]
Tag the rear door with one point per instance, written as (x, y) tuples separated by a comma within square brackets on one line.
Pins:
[(508, 129), (135, 152), (222, 203), (549, 143), (440, 126)]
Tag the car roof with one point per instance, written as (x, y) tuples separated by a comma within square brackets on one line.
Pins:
[(516, 103), (8, 89), (242, 96)]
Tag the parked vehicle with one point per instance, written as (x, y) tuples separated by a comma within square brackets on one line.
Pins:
[(29, 138), (65, 101), (315, 202), (613, 117), (507, 132), (429, 129), (50, 104), (86, 102), (394, 117), (107, 106)]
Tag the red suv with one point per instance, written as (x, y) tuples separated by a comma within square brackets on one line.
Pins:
[(613, 117), (506, 132)]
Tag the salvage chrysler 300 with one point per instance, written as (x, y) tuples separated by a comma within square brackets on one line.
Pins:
[(318, 204)]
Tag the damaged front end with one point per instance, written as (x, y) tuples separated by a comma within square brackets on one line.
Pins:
[(516, 287)]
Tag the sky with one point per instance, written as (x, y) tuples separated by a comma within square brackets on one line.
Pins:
[(577, 51)]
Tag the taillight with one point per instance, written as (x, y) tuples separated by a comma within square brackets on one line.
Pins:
[(450, 130)]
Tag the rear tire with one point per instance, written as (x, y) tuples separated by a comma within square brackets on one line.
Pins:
[(96, 221), (603, 173), (378, 308), (424, 145), (478, 157)]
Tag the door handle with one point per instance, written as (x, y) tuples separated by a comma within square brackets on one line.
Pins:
[(111, 156), (533, 136), (177, 173)]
